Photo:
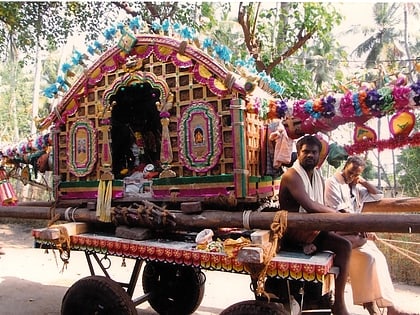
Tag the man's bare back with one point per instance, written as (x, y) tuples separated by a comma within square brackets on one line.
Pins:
[(294, 196)]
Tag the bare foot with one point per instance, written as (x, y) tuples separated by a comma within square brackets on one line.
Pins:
[(309, 249), (339, 310)]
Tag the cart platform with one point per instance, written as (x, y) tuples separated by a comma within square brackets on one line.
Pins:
[(286, 264)]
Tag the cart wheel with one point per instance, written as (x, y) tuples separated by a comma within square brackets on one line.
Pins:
[(97, 295), (173, 289), (313, 298), (255, 307)]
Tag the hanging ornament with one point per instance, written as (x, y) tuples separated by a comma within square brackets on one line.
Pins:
[(127, 42), (402, 123), (417, 64), (363, 133), (293, 127)]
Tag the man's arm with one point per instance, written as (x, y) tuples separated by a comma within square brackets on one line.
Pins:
[(294, 184), (334, 197), (367, 192), (373, 193)]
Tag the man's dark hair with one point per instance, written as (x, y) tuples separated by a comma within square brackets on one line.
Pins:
[(308, 140), (356, 160)]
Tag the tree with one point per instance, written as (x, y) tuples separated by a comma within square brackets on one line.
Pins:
[(407, 168), (15, 103), (286, 29), (386, 42), (323, 61), (414, 9), (409, 172), (280, 32), (382, 37)]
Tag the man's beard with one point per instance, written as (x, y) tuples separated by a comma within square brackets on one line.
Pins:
[(309, 165)]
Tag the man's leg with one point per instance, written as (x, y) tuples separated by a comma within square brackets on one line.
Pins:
[(342, 249)]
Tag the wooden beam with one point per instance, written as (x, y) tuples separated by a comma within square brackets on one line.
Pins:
[(387, 205), (214, 219)]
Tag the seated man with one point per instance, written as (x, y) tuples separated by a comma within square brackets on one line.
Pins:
[(369, 275), (302, 190)]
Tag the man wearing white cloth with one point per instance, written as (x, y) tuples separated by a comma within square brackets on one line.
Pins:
[(370, 279), (302, 190)]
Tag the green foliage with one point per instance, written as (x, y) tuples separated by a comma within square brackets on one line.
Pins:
[(407, 168), (369, 172), (26, 25), (409, 172), (289, 35), (382, 38), (296, 79), (15, 104)]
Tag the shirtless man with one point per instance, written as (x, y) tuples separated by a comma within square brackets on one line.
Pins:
[(302, 190)]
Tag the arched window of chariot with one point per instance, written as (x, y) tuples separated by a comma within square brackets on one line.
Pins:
[(139, 104)]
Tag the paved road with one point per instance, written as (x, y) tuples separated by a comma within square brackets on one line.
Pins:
[(31, 282)]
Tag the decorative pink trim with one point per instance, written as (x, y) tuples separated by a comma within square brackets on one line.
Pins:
[(89, 194), (199, 192), (196, 55), (201, 73), (181, 60), (130, 78), (162, 53), (200, 143), (309, 268), (147, 52), (81, 147)]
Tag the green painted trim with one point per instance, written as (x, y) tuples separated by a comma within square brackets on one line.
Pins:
[(193, 180), (94, 183)]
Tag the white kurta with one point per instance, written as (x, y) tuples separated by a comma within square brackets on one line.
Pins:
[(369, 273)]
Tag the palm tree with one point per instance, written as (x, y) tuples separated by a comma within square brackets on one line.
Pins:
[(414, 10), (382, 43), (323, 60)]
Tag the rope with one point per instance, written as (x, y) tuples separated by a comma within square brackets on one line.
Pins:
[(62, 245), (245, 219), (54, 217), (399, 241), (401, 251), (259, 271)]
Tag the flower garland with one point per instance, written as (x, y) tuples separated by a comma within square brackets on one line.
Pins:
[(364, 103), (381, 145)]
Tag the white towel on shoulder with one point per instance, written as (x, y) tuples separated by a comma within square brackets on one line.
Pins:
[(314, 188)]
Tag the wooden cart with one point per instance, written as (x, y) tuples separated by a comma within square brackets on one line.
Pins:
[(157, 118), (172, 280)]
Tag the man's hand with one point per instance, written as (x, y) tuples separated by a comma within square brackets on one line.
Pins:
[(371, 236)]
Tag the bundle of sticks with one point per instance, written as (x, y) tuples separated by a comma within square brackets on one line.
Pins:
[(143, 213)]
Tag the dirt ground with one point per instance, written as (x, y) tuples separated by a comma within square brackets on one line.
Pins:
[(31, 281)]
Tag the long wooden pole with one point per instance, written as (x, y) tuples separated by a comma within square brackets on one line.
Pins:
[(367, 222), (388, 205)]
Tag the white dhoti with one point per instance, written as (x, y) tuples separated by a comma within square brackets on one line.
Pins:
[(369, 276)]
